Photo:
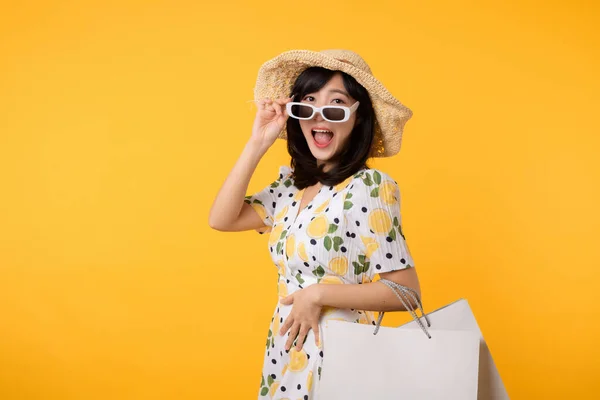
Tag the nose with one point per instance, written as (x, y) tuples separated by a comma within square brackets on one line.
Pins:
[(318, 116)]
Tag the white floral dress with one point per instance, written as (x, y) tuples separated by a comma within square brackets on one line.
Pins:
[(347, 234)]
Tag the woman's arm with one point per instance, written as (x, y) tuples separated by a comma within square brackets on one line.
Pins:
[(229, 212), (374, 296), (227, 206)]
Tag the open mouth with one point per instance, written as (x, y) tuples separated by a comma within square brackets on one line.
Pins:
[(322, 137)]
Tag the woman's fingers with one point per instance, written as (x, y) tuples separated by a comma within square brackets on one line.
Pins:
[(293, 334), (302, 337), (315, 329), (274, 106), (286, 324), (277, 108)]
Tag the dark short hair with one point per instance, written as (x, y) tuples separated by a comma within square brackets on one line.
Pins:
[(353, 157)]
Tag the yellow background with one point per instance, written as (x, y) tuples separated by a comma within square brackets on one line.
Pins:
[(120, 120)]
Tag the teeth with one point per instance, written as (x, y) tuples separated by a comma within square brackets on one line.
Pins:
[(322, 130)]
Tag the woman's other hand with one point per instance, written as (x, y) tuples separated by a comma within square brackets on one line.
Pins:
[(269, 121), (305, 314)]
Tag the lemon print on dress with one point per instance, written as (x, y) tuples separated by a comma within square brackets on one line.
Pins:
[(363, 319), (276, 324), (302, 251), (371, 245), (380, 221), (309, 380), (387, 192), (284, 370), (260, 209), (282, 289), (317, 228), (331, 279), (275, 234), (322, 207), (339, 265), (281, 265), (281, 215), (298, 360), (342, 185), (299, 194), (290, 246), (326, 311), (273, 389)]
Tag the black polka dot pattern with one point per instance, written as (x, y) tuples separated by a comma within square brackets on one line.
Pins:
[(358, 224)]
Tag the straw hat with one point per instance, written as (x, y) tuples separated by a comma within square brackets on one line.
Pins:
[(276, 78)]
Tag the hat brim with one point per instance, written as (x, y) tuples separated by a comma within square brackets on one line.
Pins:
[(276, 78)]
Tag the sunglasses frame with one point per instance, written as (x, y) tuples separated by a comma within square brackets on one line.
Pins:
[(347, 110)]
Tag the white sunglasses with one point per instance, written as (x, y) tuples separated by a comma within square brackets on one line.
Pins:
[(330, 113)]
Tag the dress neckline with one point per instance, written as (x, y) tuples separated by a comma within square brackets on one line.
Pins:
[(299, 211)]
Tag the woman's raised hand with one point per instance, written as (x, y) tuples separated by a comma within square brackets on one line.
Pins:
[(269, 121)]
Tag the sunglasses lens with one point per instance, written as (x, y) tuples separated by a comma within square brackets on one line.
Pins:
[(334, 114), (301, 111)]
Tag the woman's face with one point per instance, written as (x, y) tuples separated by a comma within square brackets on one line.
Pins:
[(325, 146)]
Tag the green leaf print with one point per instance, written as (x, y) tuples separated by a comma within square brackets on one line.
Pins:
[(367, 180), (377, 177), (392, 233), (279, 247), (257, 201), (396, 223), (337, 241), (287, 183), (348, 195), (332, 228), (400, 230), (275, 184), (375, 192), (282, 235), (270, 333), (270, 380), (347, 205), (366, 266), (264, 391), (327, 243), (362, 265), (299, 278), (262, 381), (319, 271)]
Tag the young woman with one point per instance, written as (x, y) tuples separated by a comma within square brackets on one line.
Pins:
[(333, 222)]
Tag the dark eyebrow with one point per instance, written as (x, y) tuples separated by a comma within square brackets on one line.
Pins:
[(339, 91)]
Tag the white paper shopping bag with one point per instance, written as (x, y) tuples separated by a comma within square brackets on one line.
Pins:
[(458, 316), (362, 362), (397, 363)]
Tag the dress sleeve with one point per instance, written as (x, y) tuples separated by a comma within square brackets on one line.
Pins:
[(372, 210), (264, 202)]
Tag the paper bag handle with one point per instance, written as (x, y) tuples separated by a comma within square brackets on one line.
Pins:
[(403, 292)]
